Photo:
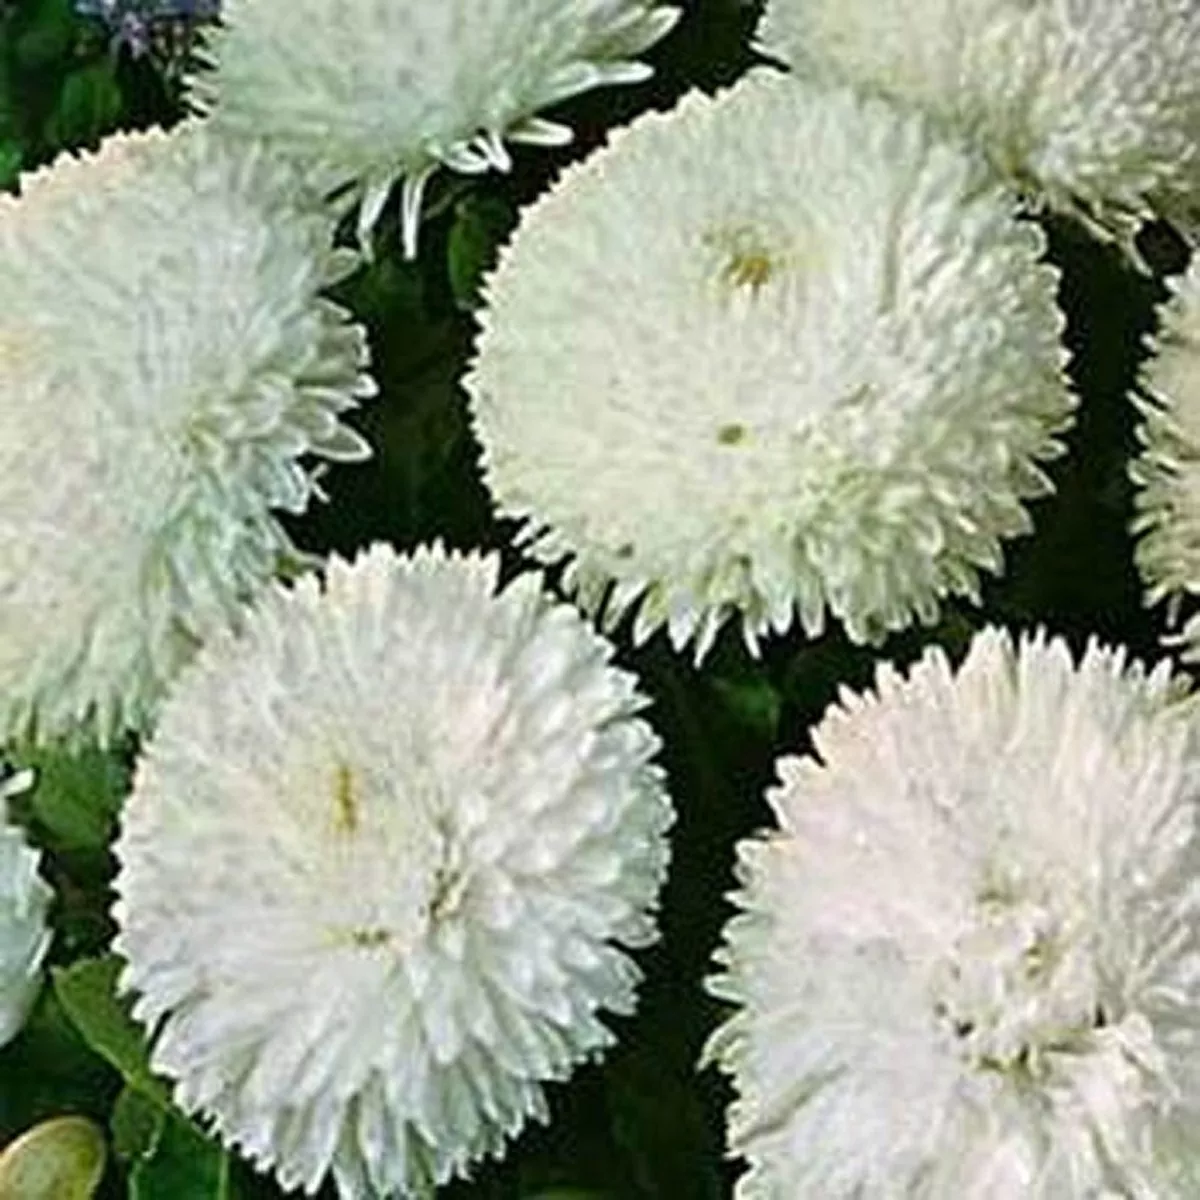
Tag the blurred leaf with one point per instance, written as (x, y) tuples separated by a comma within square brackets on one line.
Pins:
[(185, 1166), (753, 703), (481, 222), (77, 797), (136, 1124), (657, 1120), (47, 33), (88, 106), (10, 163), (87, 990), (48, 1069), (60, 1159), (567, 1194)]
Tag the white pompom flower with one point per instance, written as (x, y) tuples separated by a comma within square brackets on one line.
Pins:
[(1167, 471), (966, 963), (370, 92), (1091, 106), (24, 903), (381, 863), (167, 362), (782, 351)]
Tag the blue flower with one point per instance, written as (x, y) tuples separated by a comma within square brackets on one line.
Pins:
[(145, 26)]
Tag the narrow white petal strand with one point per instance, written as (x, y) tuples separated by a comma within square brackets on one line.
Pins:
[(965, 965), (1091, 105), (382, 862), (1167, 470), (783, 352), (167, 362), (364, 90)]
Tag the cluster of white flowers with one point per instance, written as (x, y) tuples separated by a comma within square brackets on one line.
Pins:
[(781, 354)]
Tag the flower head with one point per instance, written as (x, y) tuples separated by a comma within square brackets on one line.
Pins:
[(1092, 107), (373, 91), (166, 360), (1168, 468), (780, 351), (966, 962), (380, 860), (24, 901)]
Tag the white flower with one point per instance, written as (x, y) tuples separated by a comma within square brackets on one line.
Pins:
[(1168, 468), (1090, 105), (166, 359), (372, 91), (378, 865), (967, 962), (24, 901), (783, 350)]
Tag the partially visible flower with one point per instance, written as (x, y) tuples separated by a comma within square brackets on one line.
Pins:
[(1168, 468), (167, 362), (1092, 107), (144, 25), (24, 902), (370, 92), (966, 964), (382, 859), (785, 351)]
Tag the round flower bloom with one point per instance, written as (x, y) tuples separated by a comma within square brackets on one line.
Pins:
[(1091, 107), (381, 861), (24, 901), (1168, 468), (370, 92), (966, 963), (782, 350), (166, 361)]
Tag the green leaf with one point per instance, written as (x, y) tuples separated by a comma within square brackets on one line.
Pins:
[(480, 224), (568, 1193), (88, 106), (47, 35), (753, 702), (136, 1124), (77, 797), (88, 992), (48, 1069), (185, 1166), (10, 163)]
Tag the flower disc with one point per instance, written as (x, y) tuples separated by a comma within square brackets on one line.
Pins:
[(966, 962), (166, 359), (783, 350), (381, 859)]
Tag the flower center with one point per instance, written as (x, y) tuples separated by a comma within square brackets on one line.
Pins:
[(1021, 983), (397, 863), (745, 260)]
